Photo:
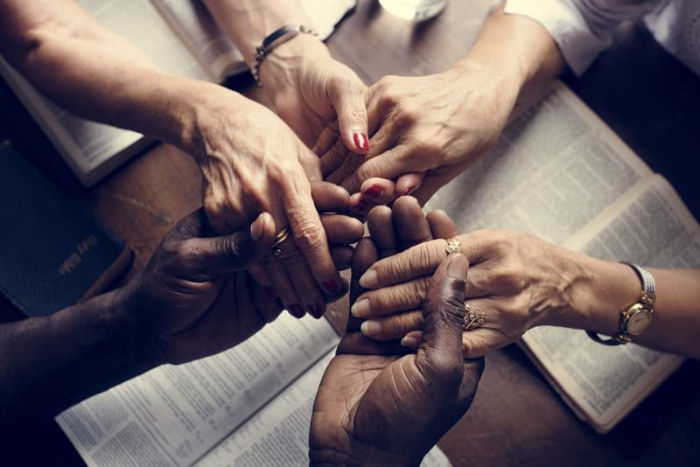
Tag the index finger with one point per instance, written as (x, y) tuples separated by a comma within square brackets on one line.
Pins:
[(309, 234), (419, 260)]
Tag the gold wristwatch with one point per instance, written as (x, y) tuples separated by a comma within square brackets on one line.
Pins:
[(636, 318)]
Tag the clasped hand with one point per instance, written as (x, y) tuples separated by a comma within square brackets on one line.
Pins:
[(254, 161), (376, 405), (196, 296)]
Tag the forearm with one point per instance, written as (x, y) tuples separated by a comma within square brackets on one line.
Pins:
[(517, 51), (96, 74), (600, 290), (248, 22), (48, 364)]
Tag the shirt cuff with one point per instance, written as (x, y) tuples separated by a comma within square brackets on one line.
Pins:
[(578, 44)]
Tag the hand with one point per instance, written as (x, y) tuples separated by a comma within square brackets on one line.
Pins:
[(317, 96), (518, 281), (196, 297), (391, 409), (431, 126), (252, 163)]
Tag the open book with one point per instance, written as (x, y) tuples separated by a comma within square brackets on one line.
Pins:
[(560, 173), (178, 35), (247, 406)]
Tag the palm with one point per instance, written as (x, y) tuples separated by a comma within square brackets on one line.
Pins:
[(375, 403), (217, 315), (344, 385)]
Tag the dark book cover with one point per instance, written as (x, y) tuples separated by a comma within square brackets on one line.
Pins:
[(52, 253)]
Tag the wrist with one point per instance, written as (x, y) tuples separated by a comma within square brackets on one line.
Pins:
[(282, 69), (196, 111), (502, 83), (599, 291), (129, 315)]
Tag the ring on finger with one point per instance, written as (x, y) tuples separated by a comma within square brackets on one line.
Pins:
[(275, 249), (453, 246), (472, 319)]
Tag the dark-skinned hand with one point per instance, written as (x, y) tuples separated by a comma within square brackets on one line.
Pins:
[(377, 405)]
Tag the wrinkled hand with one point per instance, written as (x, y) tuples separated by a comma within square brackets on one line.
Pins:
[(194, 298), (424, 132), (518, 281), (376, 406), (252, 163), (321, 99)]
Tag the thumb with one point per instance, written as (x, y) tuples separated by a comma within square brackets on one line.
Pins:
[(440, 351), (242, 249), (348, 97)]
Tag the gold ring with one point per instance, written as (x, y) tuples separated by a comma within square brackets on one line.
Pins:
[(453, 246), (472, 319), (275, 250)]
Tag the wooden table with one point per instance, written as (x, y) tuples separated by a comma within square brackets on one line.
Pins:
[(517, 419)]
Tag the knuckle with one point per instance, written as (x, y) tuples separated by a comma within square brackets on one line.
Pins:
[(215, 204), (420, 288), (365, 172), (309, 237), (408, 113), (430, 254), (399, 325)]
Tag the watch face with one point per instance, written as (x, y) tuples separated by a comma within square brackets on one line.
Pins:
[(638, 322)]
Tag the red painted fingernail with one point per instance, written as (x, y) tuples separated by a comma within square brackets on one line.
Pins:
[(361, 206), (331, 286), (315, 310), (271, 291), (408, 191), (296, 310), (361, 141), (374, 191)]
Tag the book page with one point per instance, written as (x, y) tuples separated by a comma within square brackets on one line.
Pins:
[(173, 415), (279, 433), (198, 30), (649, 226), (556, 166)]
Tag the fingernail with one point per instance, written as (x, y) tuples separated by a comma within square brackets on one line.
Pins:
[(369, 279), (256, 229), (408, 191), (457, 266), (271, 291), (361, 141), (361, 308), (331, 286), (375, 191), (296, 310), (371, 328), (361, 206), (410, 342), (315, 310)]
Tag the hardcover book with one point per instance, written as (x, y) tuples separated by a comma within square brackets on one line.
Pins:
[(52, 253)]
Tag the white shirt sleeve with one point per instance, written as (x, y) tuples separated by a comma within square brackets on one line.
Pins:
[(581, 28)]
